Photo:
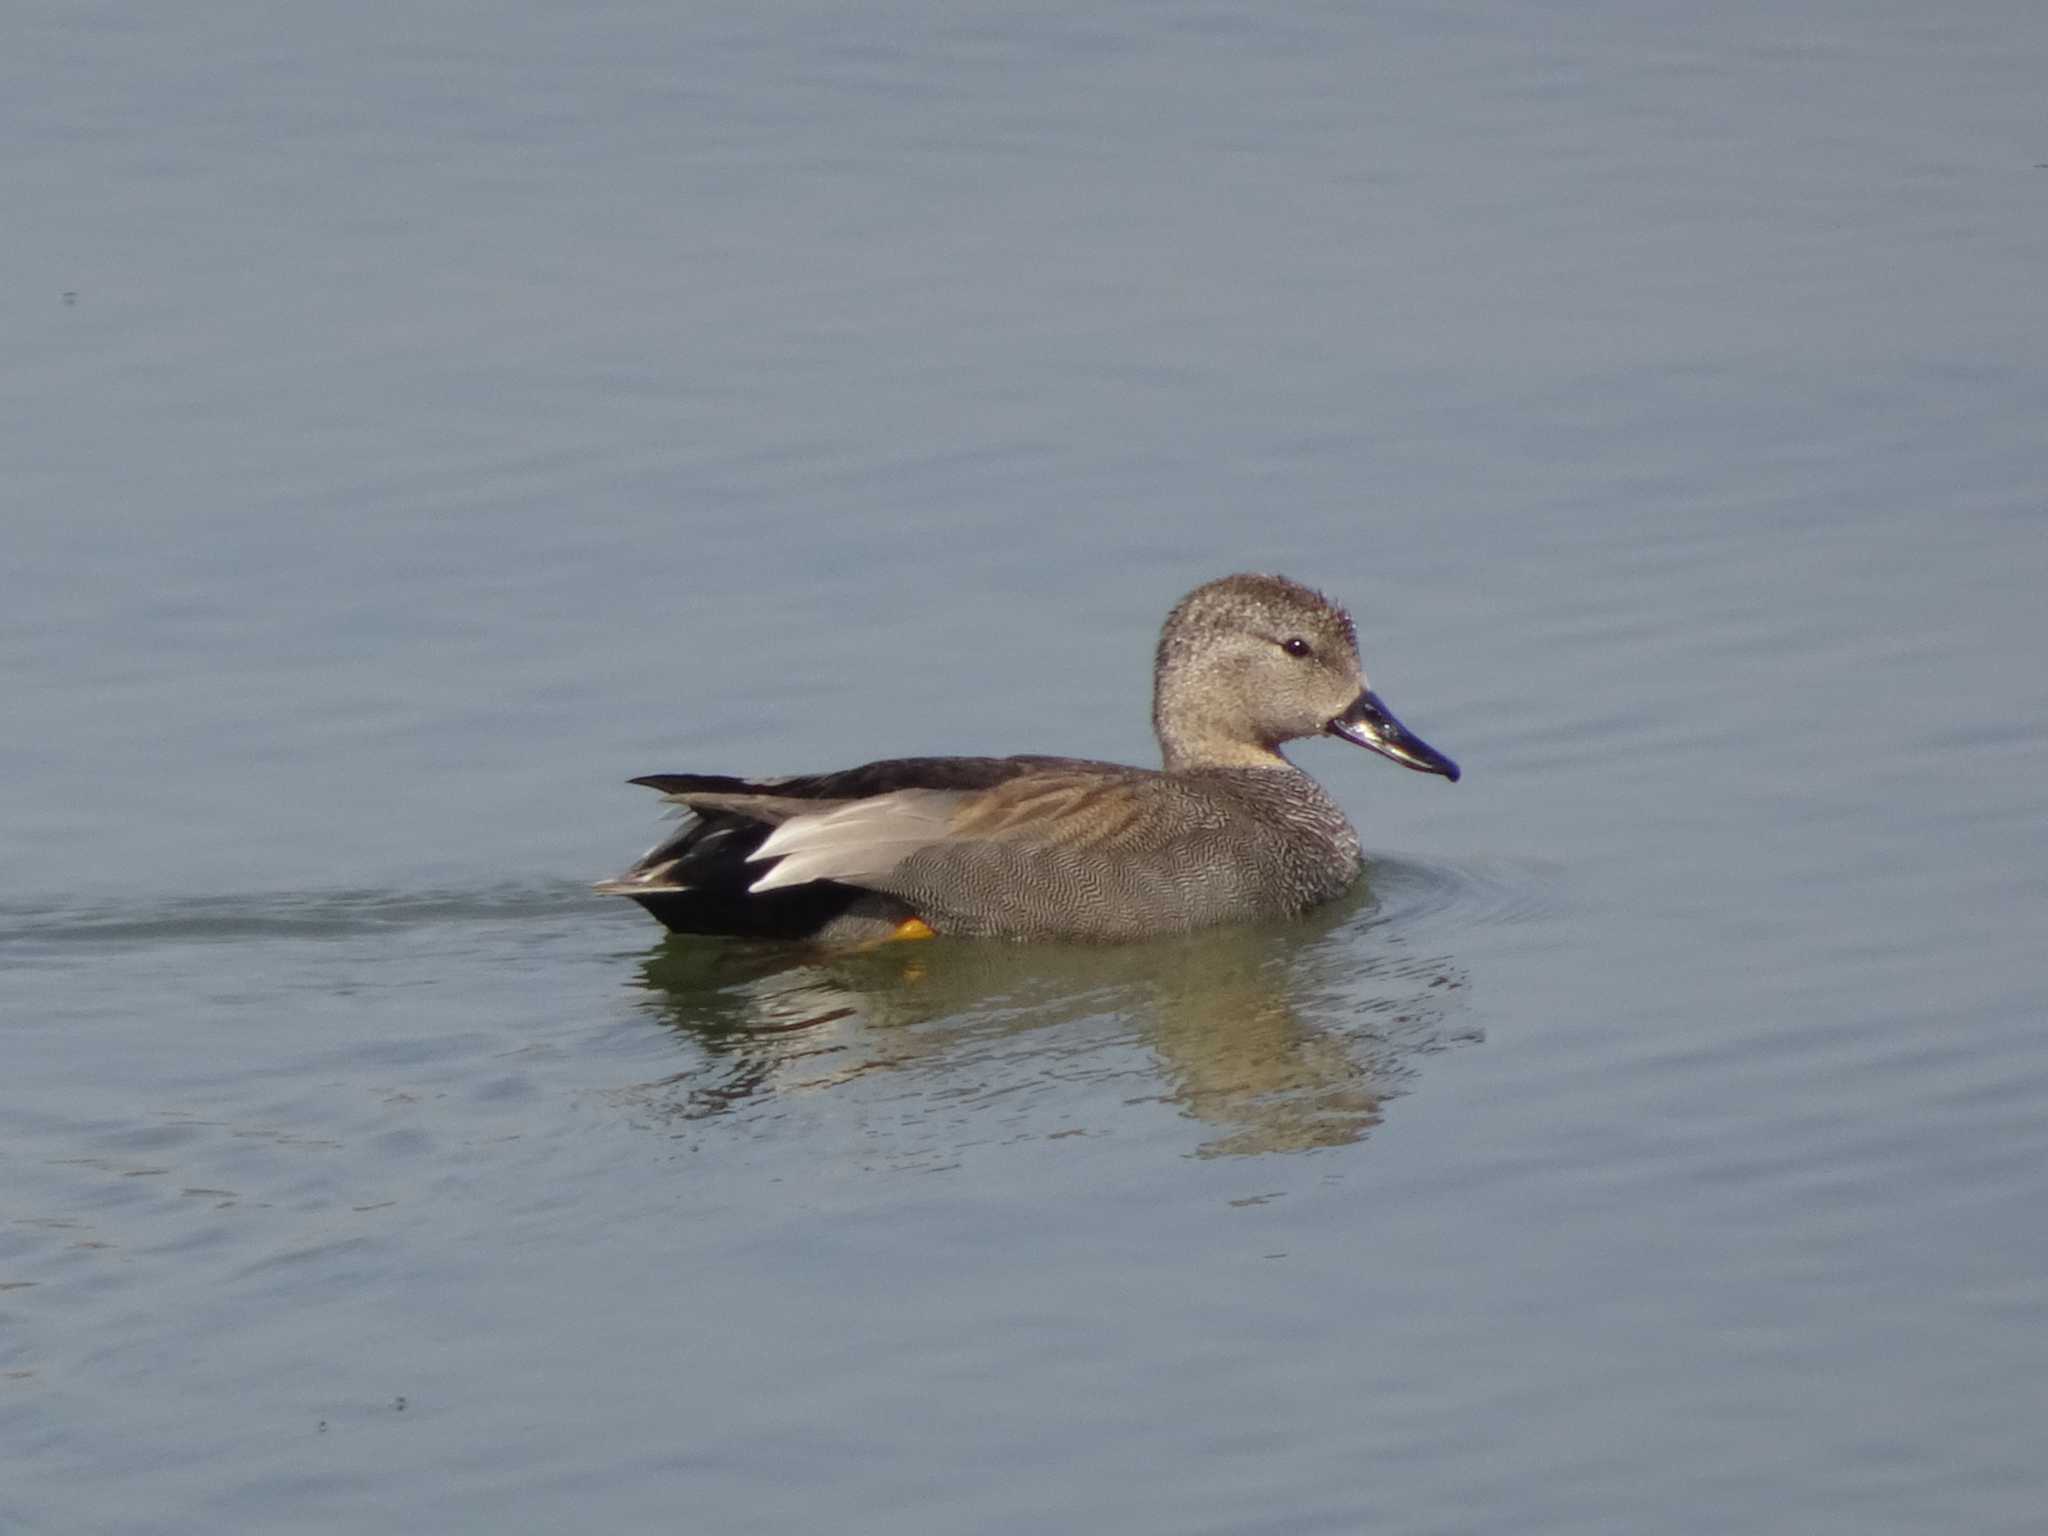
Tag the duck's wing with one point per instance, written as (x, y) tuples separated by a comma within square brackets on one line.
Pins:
[(726, 819), (1072, 817), (1016, 845)]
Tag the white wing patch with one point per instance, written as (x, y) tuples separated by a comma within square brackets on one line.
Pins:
[(859, 842)]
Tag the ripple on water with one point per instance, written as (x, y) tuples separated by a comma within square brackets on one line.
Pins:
[(1470, 892), (29, 927)]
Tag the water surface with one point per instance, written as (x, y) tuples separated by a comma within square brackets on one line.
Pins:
[(415, 432)]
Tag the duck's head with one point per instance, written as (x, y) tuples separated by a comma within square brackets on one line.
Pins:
[(1249, 662)]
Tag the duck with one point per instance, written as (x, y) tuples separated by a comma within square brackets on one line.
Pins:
[(1226, 830)]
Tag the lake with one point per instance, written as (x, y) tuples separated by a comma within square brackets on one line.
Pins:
[(417, 425)]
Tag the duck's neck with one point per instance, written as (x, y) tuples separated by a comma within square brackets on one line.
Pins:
[(1184, 750)]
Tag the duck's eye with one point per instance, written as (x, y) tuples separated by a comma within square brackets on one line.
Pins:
[(1297, 647)]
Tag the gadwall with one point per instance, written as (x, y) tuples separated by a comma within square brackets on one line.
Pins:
[(1227, 831)]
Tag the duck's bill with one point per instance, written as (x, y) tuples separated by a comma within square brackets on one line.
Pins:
[(1372, 725)]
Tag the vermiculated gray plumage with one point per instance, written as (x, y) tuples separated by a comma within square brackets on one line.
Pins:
[(1045, 847)]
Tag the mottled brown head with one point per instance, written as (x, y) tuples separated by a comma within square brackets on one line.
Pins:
[(1249, 662)]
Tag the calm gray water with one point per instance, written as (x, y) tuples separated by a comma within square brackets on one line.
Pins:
[(416, 424)]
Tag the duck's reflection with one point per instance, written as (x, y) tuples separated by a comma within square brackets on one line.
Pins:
[(1282, 1039)]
